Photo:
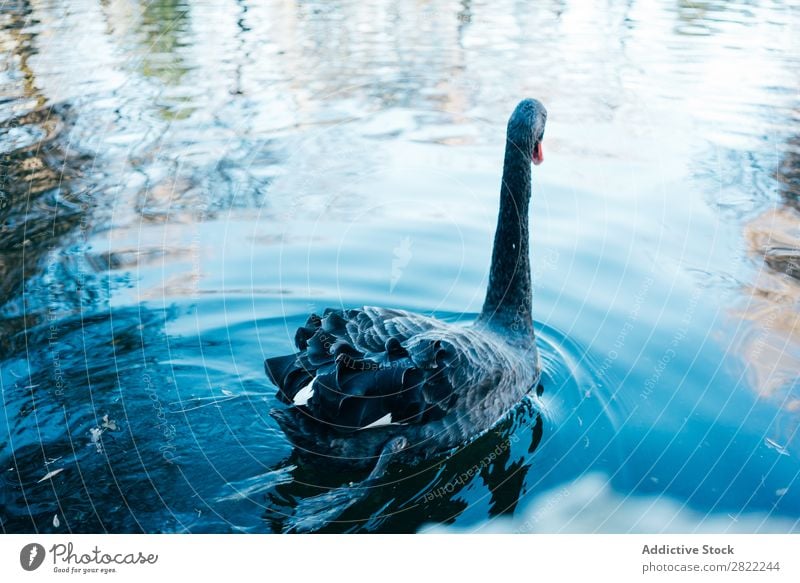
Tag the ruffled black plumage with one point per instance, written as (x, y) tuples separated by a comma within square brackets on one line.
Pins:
[(362, 372), (362, 378)]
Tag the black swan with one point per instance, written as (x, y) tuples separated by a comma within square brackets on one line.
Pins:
[(372, 385)]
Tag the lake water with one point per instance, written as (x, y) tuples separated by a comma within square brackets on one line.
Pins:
[(183, 182)]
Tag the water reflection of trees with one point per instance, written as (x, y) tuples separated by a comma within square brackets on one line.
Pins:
[(769, 340), (163, 26), (40, 202)]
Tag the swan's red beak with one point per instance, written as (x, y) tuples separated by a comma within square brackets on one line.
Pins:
[(538, 154)]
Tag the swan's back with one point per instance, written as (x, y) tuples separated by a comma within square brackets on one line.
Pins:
[(376, 370)]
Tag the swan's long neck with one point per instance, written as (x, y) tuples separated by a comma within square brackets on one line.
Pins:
[(508, 298)]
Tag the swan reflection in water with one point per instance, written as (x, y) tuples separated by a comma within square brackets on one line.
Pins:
[(312, 496)]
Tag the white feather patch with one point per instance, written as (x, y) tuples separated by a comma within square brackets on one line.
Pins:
[(385, 420), (304, 394)]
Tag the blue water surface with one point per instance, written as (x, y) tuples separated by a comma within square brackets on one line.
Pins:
[(183, 182)]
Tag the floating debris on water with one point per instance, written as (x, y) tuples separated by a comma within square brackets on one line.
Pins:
[(50, 475), (110, 425), (776, 446)]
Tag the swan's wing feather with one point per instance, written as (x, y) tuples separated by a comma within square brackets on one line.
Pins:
[(360, 369)]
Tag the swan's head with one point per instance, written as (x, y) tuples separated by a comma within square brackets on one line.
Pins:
[(526, 128)]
